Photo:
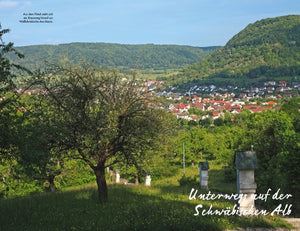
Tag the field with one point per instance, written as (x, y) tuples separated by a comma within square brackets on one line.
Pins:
[(163, 206)]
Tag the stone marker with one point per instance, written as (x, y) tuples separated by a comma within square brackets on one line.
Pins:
[(245, 163), (204, 166), (148, 180), (117, 176)]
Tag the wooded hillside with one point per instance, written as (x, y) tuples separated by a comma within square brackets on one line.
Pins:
[(121, 56), (265, 49)]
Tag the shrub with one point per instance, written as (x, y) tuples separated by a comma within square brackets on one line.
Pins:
[(191, 181)]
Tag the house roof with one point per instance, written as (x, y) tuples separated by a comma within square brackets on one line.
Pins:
[(180, 106), (215, 114), (257, 108), (271, 102)]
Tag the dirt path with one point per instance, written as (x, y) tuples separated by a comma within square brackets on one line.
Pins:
[(294, 221)]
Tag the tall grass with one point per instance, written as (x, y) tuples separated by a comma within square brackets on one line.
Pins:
[(163, 206)]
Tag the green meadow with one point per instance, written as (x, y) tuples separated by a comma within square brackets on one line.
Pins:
[(165, 205)]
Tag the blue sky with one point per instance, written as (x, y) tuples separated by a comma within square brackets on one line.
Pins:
[(183, 22)]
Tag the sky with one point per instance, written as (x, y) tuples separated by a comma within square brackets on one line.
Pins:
[(198, 23)]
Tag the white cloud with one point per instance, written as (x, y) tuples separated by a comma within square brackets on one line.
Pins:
[(13, 4), (8, 4)]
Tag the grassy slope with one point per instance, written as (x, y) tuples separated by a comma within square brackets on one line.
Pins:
[(163, 206)]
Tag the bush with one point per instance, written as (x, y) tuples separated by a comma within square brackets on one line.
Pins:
[(191, 181), (230, 174), (75, 173)]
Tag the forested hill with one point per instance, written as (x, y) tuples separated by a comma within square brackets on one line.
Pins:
[(118, 55), (265, 49)]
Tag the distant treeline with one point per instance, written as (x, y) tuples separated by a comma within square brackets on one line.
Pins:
[(121, 56)]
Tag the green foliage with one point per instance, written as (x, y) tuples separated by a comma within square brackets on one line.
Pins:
[(7, 67), (277, 146), (195, 111), (292, 109), (164, 207), (14, 182), (219, 122), (74, 173), (264, 50), (188, 181), (156, 160), (101, 128), (147, 57), (202, 143), (102, 118), (30, 158), (275, 138), (35, 137), (207, 122)]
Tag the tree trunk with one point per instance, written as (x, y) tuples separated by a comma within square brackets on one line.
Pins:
[(52, 185), (136, 180), (101, 183)]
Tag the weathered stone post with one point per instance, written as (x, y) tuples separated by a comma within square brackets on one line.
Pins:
[(245, 163), (204, 166), (117, 176), (148, 180)]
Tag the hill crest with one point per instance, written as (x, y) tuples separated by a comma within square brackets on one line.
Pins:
[(121, 56), (265, 49)]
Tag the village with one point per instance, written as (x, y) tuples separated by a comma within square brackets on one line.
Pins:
[(212, 101)]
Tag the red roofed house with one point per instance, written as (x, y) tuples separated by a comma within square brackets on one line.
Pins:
[(282, 83), (215, 115), (257, 108), (199, 105), (271, 103), (181, 107)]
